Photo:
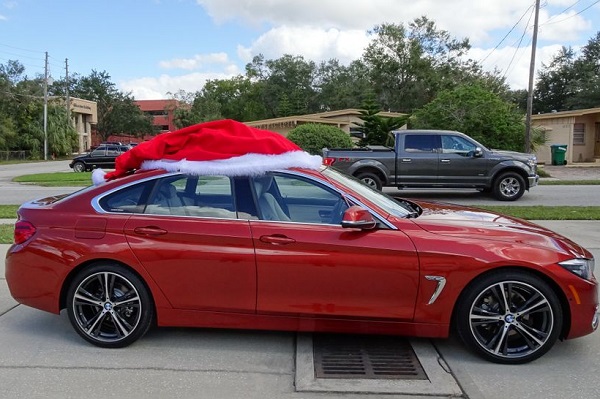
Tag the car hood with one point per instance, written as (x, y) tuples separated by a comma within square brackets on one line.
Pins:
[(464, 222), (520, 156)]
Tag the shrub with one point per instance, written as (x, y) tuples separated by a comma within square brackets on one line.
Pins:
[(313, 137)]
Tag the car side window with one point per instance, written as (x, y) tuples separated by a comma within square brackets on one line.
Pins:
[(112, 151), (130, 199), (290, 198), (99, 152), (456, 145), (420, 143), (197, 196)]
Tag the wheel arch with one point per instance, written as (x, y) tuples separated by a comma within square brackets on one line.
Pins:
[(514, 169), (562, 298), (374, 170)]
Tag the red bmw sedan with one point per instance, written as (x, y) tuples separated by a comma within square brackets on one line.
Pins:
[(297, 250)]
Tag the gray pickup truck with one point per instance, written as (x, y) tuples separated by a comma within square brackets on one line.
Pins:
[(438, 159)]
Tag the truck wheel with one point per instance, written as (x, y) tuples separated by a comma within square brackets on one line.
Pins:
[(509, 186), (370, 179)]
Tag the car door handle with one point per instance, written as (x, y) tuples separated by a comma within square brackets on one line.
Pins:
[(406, 159), (150, 231), (277, 239), (445, 160)]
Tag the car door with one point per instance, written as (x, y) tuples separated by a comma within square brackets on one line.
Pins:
[(200, 253), (460, 164), (417, 159), (307, 264)]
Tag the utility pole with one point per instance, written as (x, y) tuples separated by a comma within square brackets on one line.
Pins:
[(68, 99), (46, 109), (528, 146)]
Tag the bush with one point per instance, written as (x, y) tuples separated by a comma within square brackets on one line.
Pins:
[(313, 137)]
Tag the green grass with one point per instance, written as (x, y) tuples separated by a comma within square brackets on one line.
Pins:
[(541, 212), (6, 233), (8, 211), (569, 182), (58, 179)]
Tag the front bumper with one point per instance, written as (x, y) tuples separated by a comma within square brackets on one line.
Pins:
[(533, 180)]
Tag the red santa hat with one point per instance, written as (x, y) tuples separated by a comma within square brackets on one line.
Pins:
[(223, 147)]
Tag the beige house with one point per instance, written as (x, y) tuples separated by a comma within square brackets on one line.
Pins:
[(579, 130), (84, 115), (345, 119)]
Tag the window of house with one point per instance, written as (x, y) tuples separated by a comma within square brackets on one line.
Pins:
[(579, 133)]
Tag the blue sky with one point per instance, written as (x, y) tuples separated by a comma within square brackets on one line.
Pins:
[(152, 47)]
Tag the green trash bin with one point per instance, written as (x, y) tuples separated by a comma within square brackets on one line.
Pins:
[(558, 151)]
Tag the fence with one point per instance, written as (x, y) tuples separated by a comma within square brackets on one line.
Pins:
[(14, 155)]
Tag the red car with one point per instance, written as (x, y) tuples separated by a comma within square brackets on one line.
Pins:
[(297, 250)]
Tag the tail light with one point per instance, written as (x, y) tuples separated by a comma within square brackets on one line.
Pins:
[(23, 231), (328, 161)]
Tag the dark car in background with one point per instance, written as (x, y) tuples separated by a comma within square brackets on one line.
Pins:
[(102, 156)]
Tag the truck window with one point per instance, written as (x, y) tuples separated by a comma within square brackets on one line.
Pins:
[(420, 143), (456, 145)]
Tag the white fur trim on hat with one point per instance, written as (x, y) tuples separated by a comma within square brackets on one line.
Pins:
[(247, 164), (98, 176)]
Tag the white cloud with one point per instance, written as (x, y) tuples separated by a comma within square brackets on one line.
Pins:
[(2, 18), (312, 43), (149, 88), (513, 63), (196, 62)]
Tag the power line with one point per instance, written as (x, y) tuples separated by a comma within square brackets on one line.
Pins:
[(571, 16), (505, 36), (22, 49)]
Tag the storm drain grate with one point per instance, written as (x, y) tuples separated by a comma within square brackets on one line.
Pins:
[(368, 357)]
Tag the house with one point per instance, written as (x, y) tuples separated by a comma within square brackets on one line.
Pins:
[(84, 117), (579, 130), (345, 119)]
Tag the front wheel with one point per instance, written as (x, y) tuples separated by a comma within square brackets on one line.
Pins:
[(370, 179), (79, 167), (109, 306), (509, 186), (510, 317)]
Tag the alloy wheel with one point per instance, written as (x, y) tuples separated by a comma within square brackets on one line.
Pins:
[(511, 320)]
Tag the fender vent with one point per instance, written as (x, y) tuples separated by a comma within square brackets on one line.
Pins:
[(365, 357)]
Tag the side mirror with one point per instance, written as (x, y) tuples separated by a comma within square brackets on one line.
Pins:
[(356, 217), (478, 152)]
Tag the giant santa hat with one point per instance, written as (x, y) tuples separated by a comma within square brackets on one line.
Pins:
[(223, 147)]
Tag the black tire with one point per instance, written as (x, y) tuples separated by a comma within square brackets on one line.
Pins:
[(79, 167), (509, 186), (370, 179), (519, 334), (113, 322)]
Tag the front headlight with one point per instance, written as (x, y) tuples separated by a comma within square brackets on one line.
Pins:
[(532, 162), (584, 268)]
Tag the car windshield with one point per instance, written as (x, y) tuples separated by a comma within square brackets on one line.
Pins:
[(384, 201)]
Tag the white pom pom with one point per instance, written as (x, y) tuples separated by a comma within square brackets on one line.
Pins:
[(98, 176)]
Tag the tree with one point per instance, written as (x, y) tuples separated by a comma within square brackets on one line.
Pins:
[(376, 128), (555, 81), (477, 112), (117, 112), (313, 137), (409, 66)]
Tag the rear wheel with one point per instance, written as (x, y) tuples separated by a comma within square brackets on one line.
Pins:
[(109, 306), (370, 179), (78, 167), (509, 186), (509, 317)]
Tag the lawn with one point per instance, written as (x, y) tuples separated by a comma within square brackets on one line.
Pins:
[(58, 179)]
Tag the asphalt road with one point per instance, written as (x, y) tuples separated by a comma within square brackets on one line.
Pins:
[(579, 195)]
